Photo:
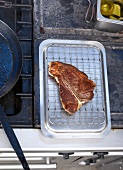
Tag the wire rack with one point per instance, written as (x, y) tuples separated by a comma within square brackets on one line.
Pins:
[(91, 116)]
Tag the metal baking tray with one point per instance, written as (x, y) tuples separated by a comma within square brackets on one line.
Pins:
[(92, 120)]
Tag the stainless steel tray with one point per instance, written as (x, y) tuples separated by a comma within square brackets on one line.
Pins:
[(93, 119), (105, 24)]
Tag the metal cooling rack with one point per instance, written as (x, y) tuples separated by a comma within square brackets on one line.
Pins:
[(92, 116)]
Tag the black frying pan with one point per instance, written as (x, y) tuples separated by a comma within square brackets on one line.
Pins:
[(10, 68)]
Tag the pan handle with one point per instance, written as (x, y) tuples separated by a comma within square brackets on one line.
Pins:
[(12, 138), (87, 12)]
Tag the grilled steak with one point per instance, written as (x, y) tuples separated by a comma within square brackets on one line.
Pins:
[(75, 87)]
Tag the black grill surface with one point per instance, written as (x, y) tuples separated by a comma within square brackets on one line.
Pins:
[(18, 103)]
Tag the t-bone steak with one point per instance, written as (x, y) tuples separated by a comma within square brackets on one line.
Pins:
[(75, 87)]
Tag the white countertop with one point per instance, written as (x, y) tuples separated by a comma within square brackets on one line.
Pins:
[(34, 140)]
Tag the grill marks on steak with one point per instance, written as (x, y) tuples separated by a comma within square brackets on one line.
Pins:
[(75, 87)]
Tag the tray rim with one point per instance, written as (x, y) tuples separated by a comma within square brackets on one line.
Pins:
[(44, 126)]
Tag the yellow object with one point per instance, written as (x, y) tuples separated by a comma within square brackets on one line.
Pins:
[(121, 18), (114, 18), (117, 11), (119, 2), (107, 7)]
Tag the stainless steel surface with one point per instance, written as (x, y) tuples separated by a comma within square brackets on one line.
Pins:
[(34, 158), (105, 24), (116, 164), (40, 143), (93, 119), (32, 166), (9, 159)]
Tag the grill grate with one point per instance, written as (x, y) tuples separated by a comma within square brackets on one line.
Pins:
[(18, 14), (88, 59)]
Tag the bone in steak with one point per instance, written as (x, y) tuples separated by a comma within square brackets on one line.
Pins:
[(75, 87)]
